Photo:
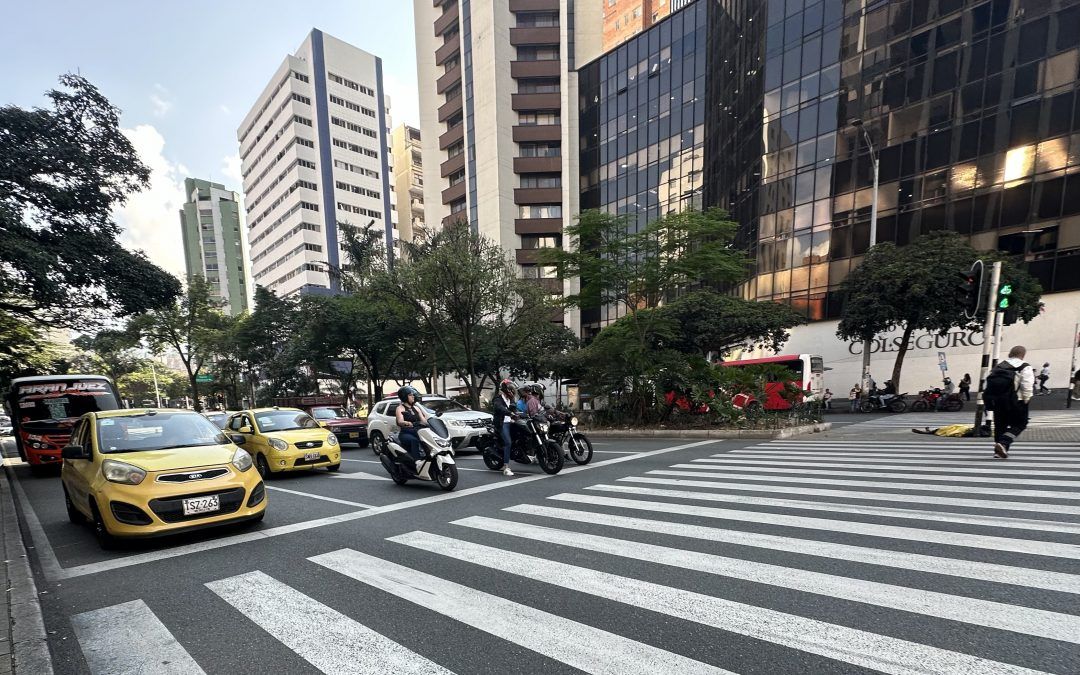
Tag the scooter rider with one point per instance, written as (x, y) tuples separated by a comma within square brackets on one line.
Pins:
[(410, 416), (504, 409)]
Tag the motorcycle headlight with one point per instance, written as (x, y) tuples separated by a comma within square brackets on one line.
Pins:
[(278, 444), (573, 421), (122, 472), (331, 440), (542, 426), (241, 460)]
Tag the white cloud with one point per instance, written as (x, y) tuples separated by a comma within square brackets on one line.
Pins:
[(226, 110), (404, 101), (230, 166), (161, 99), (150, 219)]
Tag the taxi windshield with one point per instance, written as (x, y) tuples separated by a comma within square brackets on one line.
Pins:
[(157, 431), (328, 413), (284, 420)]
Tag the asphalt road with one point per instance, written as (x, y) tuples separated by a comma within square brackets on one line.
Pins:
[(851, 551)]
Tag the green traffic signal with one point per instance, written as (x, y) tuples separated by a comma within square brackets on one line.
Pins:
[(1004, 304), (1006, 289)]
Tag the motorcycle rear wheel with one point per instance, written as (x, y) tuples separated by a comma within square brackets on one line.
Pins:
[(550, 457), (919, 406), (580, 448), (492, 461), (897, 406), (867, 406)]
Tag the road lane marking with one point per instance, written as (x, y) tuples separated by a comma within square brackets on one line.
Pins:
[(50, 566), (989, 542), (990, 614), (719, 472), (322, 636), (616, 452), (58, 573), (919, 562), (375, 461), (575, 644), (129, 638), (911, 512), (781, 466), (933, 460), (848, 645), (320, 497)]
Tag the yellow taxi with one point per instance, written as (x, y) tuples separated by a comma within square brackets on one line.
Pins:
[(148, 472), (284, 439)]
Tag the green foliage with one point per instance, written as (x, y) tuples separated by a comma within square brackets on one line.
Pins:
[(63, 172), (716, 323), (110, 352), (912, 288), (138, 385), (25, 350)]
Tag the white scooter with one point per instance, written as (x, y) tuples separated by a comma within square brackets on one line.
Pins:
[(438, 463)]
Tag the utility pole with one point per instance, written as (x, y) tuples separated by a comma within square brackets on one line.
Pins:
[(157, 393), (868, 343), (989, 339), (1072, 367)]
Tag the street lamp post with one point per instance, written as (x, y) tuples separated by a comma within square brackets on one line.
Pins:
[(867, 343)]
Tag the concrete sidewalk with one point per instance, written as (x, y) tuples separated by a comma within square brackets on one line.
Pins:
[(23, 641)]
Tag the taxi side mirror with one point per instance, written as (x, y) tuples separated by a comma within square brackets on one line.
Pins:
[(324, 425), (244, 429), (75, 452), (239, 439)]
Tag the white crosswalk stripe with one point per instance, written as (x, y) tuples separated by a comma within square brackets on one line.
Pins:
[(946, 551), (1039, 419)]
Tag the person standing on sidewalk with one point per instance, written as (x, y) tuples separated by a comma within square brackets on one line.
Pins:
[(1044, 375), (965, 386), (853, 397), (1009, 388)]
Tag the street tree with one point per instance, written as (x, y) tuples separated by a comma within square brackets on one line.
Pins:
[(109, 351), (266, 340), (715, 323), (191, 327), (64, 170), (25, 350), (912, 288), (138, 385)]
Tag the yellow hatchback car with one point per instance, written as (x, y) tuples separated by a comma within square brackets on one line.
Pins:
[(284, 439), (147, 472)]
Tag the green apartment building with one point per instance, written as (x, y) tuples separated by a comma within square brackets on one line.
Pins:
[(213, 245)]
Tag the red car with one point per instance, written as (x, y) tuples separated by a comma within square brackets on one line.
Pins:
[(336, 419)]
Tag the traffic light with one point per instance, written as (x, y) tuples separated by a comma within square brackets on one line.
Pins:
[(1006, 305), (969, 290)]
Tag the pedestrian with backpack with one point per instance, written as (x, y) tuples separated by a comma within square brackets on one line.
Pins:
[(1009, 388)]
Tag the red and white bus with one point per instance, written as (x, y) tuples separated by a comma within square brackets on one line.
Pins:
[(807, 373), (44, 408)]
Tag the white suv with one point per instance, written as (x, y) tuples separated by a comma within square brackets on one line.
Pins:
[(465, 425)]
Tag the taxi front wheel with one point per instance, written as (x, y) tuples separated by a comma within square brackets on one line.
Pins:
[(101, 532), (73, 513), (262, 466)]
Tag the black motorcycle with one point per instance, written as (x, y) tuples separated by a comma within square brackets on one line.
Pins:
[(529, 444), (876, 401), (564, 432)]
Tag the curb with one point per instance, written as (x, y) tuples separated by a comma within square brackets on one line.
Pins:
[(770, 434), (29, 647)]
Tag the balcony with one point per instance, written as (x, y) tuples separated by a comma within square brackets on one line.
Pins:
[(537, 195), (538, 225), (454, 218), (456, 163), (520, 69), (453, 193), (537, 132), (546, 35), (449, 17), (534, 5), (552, 286), (535, 101), (447, 110), (452, 136), (448, 79), (447, 50), (537, 164)]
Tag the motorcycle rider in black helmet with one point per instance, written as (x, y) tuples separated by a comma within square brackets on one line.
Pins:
[(503, 405), (410, 416)]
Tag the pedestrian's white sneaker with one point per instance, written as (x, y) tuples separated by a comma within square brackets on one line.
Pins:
[(1001, 451), (507, 471)]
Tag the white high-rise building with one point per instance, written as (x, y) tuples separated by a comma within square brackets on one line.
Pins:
[(315, 154)]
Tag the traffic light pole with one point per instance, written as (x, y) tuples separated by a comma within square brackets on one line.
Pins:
[(989, 339)]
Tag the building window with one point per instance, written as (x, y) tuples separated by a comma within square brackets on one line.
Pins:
[(457, 177), (530, 119), (538, 86), (541, 180), (538, 272), (457, 206), (455, 149), (537, 19), (537, 53), (527, 211), (533, 241), (548, 149)]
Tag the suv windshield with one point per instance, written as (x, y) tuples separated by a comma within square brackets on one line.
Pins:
[(284, 420), (328, 413), (159, 431), (444, 405)]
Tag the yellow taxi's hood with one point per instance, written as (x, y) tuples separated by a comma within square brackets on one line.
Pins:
[(177, 458), (299, 435)]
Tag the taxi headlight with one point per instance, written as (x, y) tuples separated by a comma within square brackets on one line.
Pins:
[(241, 460), (331, 440), (573, 421), (278, 444), (122, 472)]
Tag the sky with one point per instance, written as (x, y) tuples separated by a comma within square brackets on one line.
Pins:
[(184, 75)]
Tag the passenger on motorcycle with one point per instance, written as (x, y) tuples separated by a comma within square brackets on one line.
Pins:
[(504, 410), (410, 417), (521, 396), (532, 401)]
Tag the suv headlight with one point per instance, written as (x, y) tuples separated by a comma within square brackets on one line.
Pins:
[(241, 460), (331, 440), (122, 472), (455, 423), (278, 444)]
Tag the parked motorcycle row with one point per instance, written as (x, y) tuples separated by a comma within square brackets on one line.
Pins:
[(546, 439), (926, 400)]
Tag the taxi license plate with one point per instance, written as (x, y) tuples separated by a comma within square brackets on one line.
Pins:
[(311, 456), (196, 505), (354, 434)]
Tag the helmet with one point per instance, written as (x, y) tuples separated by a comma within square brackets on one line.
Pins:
[(404, 392), (537, 389), (507, 387)]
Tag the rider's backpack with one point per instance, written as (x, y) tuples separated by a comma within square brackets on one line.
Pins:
[(1002, 390)]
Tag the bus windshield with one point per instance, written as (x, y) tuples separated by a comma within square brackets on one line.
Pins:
[(48, 403)]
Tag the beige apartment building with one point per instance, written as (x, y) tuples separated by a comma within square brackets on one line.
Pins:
[(408, 165)]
